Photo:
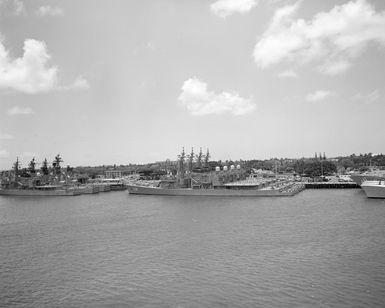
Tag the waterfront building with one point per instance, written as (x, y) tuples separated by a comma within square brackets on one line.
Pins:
[(113, 174)]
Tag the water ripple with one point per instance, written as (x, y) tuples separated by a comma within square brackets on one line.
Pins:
[(316, 249)]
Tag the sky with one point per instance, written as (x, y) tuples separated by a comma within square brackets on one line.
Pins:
[(119, 82)]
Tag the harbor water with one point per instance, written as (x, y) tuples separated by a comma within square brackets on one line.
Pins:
[(320, 248)]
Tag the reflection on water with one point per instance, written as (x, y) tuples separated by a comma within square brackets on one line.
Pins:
[(320, 248)]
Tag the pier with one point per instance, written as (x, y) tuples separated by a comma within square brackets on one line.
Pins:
[(335, 185)]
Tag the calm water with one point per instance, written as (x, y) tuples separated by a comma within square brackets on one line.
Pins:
[(317, 249)]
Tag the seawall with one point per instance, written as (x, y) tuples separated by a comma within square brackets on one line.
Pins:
[(335, 185)]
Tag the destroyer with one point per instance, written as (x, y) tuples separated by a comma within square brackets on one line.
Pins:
[(195, 178), (31, 182)]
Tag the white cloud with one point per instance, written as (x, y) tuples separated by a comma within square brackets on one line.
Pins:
[(20, 111), (4, 154), (374, 96), (5, 136), (368, 98), (19, 7), (288, 74), (334, 67), (199, 101), (224, 8), (49, 11), (15, 7), (319, 95), (335, 38), (29, 73), (79, 83)]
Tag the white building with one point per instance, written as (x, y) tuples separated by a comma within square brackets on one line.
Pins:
[(113, 174)]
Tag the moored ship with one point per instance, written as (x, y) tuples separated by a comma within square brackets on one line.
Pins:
[(52, 180), (374, 189), (45, 190), (231, 181), (44, 182), (225, 192)]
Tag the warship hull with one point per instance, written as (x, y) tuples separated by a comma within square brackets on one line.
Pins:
[(220, 192), (36, 192), (88, 190)]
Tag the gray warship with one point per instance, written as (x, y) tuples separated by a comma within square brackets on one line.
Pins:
[(194, 177), (48, 181)]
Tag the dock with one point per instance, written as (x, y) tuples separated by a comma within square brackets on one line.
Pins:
[(335, 185)]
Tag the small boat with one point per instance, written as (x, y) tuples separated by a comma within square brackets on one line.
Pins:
[(374, 189)]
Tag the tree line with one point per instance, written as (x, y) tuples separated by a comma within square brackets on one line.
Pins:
[(311, 167)]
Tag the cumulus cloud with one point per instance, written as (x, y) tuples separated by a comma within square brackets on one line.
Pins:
[(288, 74), (368, 98), (374, 96), (334, 38), (224, 8), (15, 7), (30, 73), (334, 67), (79, 83), (319, 95), (5, 136), (200, 101), (20, 111), (49, 11)]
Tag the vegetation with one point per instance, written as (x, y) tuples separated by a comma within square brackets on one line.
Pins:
[(311, 167), (361, 162)]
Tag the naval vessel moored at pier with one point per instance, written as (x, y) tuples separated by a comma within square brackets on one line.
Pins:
[(229, 182)]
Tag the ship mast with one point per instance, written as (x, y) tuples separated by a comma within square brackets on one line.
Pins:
[(181, 159), (16, 167), (32, 166), (199, 159), (207, 158), (56, 164), (191, 160), (44, 167)]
